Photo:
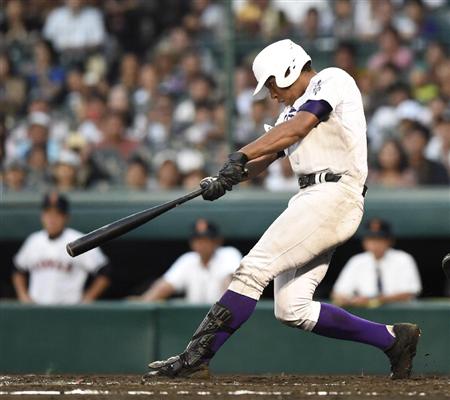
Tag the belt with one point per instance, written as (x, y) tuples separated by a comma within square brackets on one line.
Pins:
[(321, 177)]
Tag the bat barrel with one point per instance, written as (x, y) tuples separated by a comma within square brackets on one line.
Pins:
[(124, 225)]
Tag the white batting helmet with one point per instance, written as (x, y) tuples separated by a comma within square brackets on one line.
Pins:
[(283, 59)]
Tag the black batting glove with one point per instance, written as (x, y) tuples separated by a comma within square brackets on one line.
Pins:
[(215, 187), (234, 171)]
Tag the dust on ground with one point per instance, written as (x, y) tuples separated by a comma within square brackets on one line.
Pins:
[(240, 387)]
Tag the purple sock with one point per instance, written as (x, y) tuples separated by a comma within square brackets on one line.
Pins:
[(337, 323), (241, 308)]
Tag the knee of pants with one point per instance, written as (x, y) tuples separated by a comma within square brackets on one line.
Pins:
[(250, 280), (303, 314)]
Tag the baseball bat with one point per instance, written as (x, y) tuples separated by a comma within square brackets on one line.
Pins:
[(124, 225)]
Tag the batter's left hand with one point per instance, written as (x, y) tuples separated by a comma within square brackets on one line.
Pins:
[(234, 170), (215, 187)]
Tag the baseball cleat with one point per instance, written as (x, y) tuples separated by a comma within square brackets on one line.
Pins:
[(403, 350), (177, 367)]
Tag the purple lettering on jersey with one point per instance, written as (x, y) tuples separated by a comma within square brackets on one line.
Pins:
[(320, 108)]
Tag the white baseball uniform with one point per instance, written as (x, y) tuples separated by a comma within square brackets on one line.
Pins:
[(55, 277), (203, 284), (296, 249), (396, 270)]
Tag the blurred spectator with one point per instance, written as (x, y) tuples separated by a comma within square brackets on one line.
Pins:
[(391, 167), (168, 175), (159, 125), (203, 273), (248, 129), (343, 27), (137, 175), (12, 89), (74, 29), (14, 176), (421, 23), (37, 136), (428, 172), (91, 117), (379, 275), (438, 148), (280, 177), (111, 154), (65, 171), (391, 51), (200, 91), (345, 58), (15, 36), (387, 118), (147, 89), (55, 277), (45, 79), (38, 168)]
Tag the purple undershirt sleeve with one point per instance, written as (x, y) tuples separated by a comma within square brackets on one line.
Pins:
[(320, 108)]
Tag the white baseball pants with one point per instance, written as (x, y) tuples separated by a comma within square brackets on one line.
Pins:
[(296, 249)]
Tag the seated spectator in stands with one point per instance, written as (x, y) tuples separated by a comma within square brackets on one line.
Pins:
[(45, 79), (428, 172), (136, 177), (343, 27), (12, 89), (111, 154), (380, 275), (391, 51), (280, 177), (203, 273), (159, 126), (38, 168), (391, 167), (54, 276), (37, 136), (14, 176), (168, 175), (65, 171), (200, 91), (250, 128), (438, 148), (74, 29)]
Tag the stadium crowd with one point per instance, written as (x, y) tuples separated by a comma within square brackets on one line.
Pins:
[(115, 94)]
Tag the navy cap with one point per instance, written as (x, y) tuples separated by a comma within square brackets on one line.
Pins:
[(377, 228), (204, 228), (55, 200)]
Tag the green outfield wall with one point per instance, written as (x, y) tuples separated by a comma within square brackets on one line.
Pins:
[(242, 213), (123, 337)]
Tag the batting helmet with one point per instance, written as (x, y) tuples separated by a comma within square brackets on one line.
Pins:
[(283, 59)]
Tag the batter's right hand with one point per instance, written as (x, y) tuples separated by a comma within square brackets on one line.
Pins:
[(215, 187)]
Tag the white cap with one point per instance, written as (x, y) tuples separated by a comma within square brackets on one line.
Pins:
[(39, 118), (69, 157), (283, 59)]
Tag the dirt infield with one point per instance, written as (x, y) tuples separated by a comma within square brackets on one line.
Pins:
[(242, 387)]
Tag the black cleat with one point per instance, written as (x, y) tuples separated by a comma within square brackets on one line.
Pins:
[(403, 350), (177, 367)]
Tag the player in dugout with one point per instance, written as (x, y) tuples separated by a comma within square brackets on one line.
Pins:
[(322, 130), (54, 276), (203, 273), (380, 274)]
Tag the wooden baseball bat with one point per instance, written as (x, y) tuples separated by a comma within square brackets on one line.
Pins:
[(124, 225)]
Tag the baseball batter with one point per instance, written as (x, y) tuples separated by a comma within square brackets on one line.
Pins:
[(323, 132)]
